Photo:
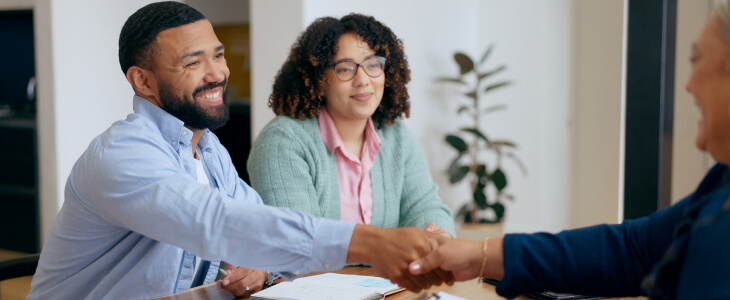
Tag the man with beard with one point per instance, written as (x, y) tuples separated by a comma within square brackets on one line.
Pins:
[(156, 193)]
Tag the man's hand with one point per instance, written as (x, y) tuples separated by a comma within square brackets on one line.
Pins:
[(463, 258), (389, 251), (240, 278)]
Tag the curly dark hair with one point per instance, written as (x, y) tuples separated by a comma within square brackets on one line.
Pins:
[(299, 83), (139, 33)]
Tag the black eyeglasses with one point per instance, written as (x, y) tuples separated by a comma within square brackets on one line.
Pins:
[(347, 70)]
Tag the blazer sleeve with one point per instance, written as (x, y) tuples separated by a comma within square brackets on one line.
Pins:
[(601, 260)]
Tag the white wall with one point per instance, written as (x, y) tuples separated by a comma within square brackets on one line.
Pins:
[(596, 104), (533, 39), (689, 164), (81, 87), (273, 31)]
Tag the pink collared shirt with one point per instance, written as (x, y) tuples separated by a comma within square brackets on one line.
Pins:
[(353, 174)]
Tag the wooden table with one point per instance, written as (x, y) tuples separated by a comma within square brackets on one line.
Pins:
[(468, 289)]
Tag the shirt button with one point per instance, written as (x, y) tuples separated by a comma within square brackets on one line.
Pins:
[(185, 133), (326, 265)]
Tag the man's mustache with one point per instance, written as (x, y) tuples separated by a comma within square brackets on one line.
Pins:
[(210, 86)]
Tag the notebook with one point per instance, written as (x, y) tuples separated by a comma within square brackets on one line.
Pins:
[(330, 286), (550, 295)]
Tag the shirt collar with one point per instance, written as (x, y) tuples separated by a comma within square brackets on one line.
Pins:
[(327, 129), (332, 138), (172, 129)]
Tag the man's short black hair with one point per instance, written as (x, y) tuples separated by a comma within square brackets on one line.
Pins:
[(137, 39)]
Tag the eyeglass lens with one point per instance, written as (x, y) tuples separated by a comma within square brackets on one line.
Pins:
[(347, 70)]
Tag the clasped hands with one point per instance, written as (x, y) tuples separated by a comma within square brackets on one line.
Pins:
[(390, 251), (413, 258), (417, 259)]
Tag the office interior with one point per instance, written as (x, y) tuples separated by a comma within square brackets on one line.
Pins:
[(565, 108)]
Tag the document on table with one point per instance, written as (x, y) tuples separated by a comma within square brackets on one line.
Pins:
[(329, 286)]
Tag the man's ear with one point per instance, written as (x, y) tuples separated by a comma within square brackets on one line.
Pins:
[(143, 82)]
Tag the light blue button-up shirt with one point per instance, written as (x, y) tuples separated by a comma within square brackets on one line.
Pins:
[(134, 217)]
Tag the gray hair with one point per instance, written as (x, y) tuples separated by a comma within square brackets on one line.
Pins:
[(722, 7)]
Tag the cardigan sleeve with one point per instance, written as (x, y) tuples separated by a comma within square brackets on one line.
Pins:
[(601, 260), (280, 171), (420, 203)]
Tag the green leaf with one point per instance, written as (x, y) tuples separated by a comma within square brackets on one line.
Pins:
[(494, 108), (482, 177), (456, 142), (462, 109), (467, 216), (498, 210), (452, 80), (477, 133), (486, 54), (458, 173), (472, 95), (480, 199), (518, 162), (497, 85), (466, 65), (505, 143), (499, 179), (492, 72), (481, 171), (455, 161)]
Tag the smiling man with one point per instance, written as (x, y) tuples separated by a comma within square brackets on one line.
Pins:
[(155, 203)]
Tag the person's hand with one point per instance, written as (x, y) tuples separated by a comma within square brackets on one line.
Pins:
[(389, 251), (437, 230), (463, 258), (243, 282)]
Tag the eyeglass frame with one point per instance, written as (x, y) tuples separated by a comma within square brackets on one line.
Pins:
[(360, 65)]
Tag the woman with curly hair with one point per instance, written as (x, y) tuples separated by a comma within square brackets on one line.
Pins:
[(338, 147)]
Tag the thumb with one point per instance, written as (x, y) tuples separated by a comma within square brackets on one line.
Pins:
[(425, 264)]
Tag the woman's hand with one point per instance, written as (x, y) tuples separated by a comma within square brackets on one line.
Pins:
[(437, 230), (242, 282)]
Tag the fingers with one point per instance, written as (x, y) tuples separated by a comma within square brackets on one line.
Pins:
[(410, 285), (426, 264), (445, 276), (432, 278), (421, 281), (437, 230), (243, 281)]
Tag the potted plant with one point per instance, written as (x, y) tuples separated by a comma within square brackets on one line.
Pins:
[(479, 157)]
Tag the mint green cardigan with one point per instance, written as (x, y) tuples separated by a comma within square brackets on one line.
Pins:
[(290, 166)]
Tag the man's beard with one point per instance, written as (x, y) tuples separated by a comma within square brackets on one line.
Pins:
[(190, 112)]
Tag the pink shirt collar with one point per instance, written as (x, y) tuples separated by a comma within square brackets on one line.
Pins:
[(332, 138)]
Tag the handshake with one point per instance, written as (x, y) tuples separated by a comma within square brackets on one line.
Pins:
[(417, 259)]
